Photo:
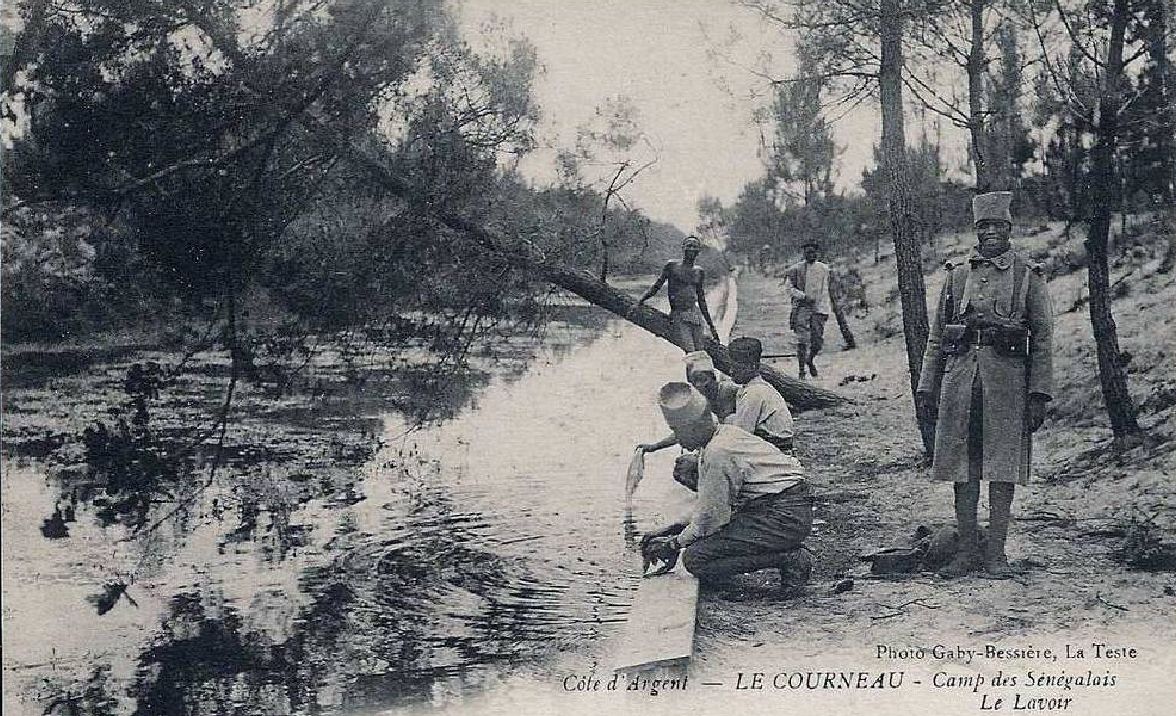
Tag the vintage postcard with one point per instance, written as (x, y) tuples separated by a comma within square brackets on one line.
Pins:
[(588, 357)]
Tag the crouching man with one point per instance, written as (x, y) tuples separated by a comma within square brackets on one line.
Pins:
[(754, 508)]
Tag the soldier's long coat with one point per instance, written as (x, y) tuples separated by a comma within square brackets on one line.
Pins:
[(987, 288)]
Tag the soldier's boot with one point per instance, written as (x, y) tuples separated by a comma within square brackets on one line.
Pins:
[(967, 556), (801, 360), (1000, 503), (796, 567)]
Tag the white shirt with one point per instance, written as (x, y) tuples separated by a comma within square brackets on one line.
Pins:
[(760, 409), (733, 468), (814, 278)]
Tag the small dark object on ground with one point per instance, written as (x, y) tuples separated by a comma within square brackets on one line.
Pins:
[(1159, 401), (1143, 549), (842, 586), (927, 550), (892, 560), (857, 379)]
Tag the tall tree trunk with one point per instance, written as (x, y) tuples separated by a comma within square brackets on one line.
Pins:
[(895, 167), (1111, 371), (976, 123), (1156, 13)]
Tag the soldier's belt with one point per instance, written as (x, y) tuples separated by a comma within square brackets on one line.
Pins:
[(1009, 342)]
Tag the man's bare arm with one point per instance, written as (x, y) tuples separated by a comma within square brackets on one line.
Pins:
[(656, 285), (665, 442), (701, 293)]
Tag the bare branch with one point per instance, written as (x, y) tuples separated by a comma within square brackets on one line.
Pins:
[(1074, 35), (1084, 113), (951, 113)]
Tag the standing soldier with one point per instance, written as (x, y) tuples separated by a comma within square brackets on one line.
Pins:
[(987, 375)]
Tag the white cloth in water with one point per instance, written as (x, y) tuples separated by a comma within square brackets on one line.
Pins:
[(636, 472)]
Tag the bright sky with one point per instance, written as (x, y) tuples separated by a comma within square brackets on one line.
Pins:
[(694, 96)]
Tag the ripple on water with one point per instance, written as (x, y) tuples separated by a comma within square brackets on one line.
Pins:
[(491, 539)]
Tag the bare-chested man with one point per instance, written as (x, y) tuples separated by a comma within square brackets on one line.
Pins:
[(687, 299)]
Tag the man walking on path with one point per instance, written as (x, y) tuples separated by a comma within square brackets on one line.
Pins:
[(754, 507), (808, 283), (986, 378), (688, 307)]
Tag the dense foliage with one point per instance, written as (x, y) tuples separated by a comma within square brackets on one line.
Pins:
[(175, 156)]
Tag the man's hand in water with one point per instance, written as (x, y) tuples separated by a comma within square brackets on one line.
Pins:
[(662, 549)]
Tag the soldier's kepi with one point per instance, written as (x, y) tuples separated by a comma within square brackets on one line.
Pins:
[(986, 379)]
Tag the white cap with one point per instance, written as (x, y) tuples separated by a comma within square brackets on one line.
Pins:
[(681, 404), (698, 360)]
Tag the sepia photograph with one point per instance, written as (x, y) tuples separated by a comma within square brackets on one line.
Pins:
[(587, 357)]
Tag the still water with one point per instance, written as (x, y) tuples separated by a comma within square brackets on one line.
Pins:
[(387, 568)]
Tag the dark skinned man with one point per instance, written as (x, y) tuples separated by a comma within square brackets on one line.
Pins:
[(808, 284), (986, 378), (754, 508), (688, 308)]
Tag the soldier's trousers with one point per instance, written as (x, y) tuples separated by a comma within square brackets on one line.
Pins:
[(758, 536)]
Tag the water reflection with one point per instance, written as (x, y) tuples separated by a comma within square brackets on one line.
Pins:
[(338, 559)]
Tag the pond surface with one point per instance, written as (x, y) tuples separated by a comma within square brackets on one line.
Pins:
[(339, 560)]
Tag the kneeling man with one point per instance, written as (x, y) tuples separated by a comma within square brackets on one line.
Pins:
[(754, 508)]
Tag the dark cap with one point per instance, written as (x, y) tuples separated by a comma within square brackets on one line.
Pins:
[(746, 350), (811, 242)]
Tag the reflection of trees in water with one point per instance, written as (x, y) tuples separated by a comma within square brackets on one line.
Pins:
[(197, 658), (153, 453), (424, 606), (89, 697), (387, 618)]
